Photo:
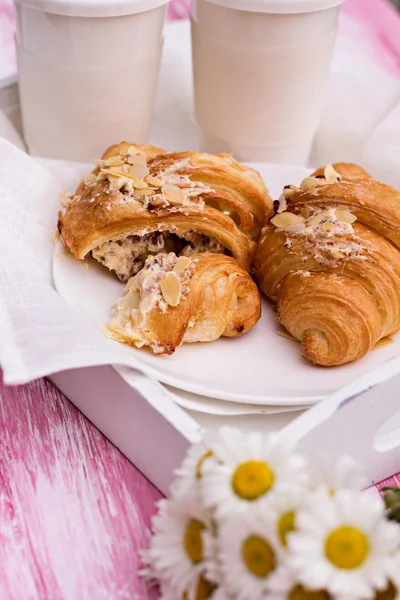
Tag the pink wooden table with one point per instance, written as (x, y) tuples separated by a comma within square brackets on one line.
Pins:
[(73, 510)]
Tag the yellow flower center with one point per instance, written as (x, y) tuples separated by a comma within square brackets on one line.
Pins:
[(200, 462), (204, 590), (390, 593), (258, 556), (252, 479), (347, 548), (286, 524), (301, 593), (193, 542)]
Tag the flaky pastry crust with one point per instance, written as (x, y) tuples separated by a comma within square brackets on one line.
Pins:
[(335, 279), (217, 298), (221, 200)]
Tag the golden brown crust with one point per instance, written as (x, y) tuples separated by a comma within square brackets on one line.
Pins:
[(230, 204), (338, 289), (222, 300), (334, 317), (375, 204)]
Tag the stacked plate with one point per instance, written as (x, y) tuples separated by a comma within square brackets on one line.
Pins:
[(261, 373)]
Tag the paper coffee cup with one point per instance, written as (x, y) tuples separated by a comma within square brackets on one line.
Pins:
[(88, 71), (260, 69)]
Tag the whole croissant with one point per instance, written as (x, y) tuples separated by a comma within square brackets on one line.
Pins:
[(330, 259), (182, 300), (140, 201)]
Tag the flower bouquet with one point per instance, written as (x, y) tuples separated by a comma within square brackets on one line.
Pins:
[(249, 518)]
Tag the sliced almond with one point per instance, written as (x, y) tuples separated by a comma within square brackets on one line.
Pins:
[(139, 184), (101, 176), (126, 168), (328, 226), (282, 204), (114, 161), (345, 215), (289, 192), (318, 218), (331, 175), (173, 194), (296, 228), (182, 263), (138, 159), (310, 182), (286, 219), (90, 178), (305, 212), (154, 181), (145, 192), (133, 151), (115, 171), (171, 289), (139, 170)]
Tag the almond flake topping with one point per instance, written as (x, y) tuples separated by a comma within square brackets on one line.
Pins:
[(139, 170), (282, 204), (114, 161), (171, 289), (133, 151), (288, 192), (286, 219), (90, 178), (139, 184), (331, 175), (309, 182), (345, 215), (154, 181), (182, 263), (173, 194)]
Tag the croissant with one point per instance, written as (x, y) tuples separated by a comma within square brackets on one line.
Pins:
[(182, 300), (330, 259), (140, 201)]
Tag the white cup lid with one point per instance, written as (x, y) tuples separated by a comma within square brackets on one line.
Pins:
[(93, 8), (278, 6)]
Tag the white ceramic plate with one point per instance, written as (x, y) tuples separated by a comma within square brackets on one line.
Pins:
[(259, 368)]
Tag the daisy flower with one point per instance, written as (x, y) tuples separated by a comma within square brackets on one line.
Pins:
[(248, 468), (176, 553), (249, 554), (285, 585), (346, 474), (190, 471), (343, 543), (283, 509)]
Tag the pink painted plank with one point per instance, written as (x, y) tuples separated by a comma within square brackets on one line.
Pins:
[(73, 511)]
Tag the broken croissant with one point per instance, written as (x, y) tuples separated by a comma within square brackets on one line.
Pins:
[(140, 201), (330, 259), (175, 300)]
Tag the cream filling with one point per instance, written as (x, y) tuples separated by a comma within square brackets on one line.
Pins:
[(143, 293), (127, 256)]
